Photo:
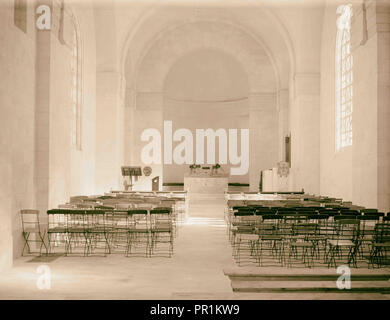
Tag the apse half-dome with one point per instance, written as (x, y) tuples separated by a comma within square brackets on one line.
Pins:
[(206, 75)]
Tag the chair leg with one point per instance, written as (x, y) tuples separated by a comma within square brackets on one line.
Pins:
[(128, 246), (26, 236), (42, 237)]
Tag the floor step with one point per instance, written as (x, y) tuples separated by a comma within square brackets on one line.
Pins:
[(316, 280), (310, 277), (310, 286), (304, 272)]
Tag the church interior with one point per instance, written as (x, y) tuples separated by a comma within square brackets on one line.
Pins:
[(194, 149)]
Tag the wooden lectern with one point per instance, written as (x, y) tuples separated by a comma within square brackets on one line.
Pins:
[(130, 172)]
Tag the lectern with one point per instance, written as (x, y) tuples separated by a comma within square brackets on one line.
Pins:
[(131, 172)]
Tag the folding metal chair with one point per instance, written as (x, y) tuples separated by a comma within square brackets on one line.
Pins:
[(118, 233), (76, 228), (245, 241), (96, 231), (57, 233), (367, 232), (380, 245), (32, 227), (346, 236), (138, 232), (162, 231), (300, 241)]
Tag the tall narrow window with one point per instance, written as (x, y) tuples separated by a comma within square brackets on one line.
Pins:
[(344, 78), (76, 84), (20, 14)]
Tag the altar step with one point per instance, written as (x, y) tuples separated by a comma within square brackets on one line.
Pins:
[(213, 222), (275, 280)]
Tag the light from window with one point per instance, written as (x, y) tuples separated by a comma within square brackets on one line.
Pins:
[(344, 78)]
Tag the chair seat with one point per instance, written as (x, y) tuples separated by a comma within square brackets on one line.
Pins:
[(341, 243), (249, 237), (97, 230), (57, 230), (76, 230), (118, 230), (302, 244), (162, 229), (140, 230), (315, 238), (271, 238), (385, 244), (31, 230)]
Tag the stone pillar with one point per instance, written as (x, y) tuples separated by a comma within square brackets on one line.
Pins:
[(305, 133), (263, 127), (371, 147), (383, 38), (42, 118), (109, 130), (147, 114)]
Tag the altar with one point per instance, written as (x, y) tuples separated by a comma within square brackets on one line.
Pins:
[(206, 194), (208, 184)]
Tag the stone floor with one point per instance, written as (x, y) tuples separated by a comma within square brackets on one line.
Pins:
[(195, 271), (201, 252)]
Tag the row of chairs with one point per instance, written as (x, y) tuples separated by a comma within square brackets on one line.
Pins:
[(101, 231), (126, 202), (305, 214), (318, 235), (321, 210)]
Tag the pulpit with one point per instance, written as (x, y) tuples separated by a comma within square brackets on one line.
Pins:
[(277, 179)]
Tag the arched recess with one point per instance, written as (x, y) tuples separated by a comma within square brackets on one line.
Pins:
[(261, 22), (146, 98), (206, 88)]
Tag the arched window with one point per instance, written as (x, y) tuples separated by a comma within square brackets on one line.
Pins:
[(76, 83), (344, 78)]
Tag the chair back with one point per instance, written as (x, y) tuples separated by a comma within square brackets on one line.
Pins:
[(117, 219), (30, 220), (57, 218), (138, 218), (76, 220), (348, 229), (304, 229), (382, 233), (95, 220)]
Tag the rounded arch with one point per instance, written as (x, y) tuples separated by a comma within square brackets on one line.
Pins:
[(169, 46), (262, 25), (206, 76)]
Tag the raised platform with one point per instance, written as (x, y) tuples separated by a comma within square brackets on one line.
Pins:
[(316, 280)]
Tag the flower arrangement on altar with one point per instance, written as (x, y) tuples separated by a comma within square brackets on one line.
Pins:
[(194, 167), (215, 168)]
